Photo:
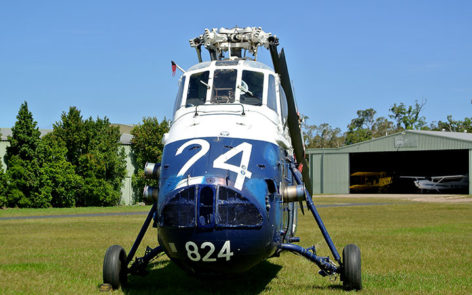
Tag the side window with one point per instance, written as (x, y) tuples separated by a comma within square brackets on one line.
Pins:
[(283, 104), (178, 98), (224, 83), (252, 86), (197, 89), (271, 94)]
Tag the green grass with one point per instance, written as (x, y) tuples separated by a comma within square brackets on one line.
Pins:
[(407, 248), (13, 212)]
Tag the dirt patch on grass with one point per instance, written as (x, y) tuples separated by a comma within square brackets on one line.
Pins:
[(429, 198)]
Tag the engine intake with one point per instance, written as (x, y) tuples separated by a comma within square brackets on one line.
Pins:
[(293, 193), (152, 170)]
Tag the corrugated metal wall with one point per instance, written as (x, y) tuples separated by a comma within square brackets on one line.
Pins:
[(3, 151), (330, 173), (127, 195)]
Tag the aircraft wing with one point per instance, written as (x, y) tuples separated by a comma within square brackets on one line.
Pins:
[(441, 178), (413, 177)]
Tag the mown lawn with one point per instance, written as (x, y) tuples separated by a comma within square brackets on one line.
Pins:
[(407, 248)]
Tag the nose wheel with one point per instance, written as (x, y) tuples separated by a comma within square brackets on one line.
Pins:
[(351, 271), (114, 267)]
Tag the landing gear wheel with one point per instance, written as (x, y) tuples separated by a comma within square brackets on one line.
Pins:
[(351, 273), (114, 267)]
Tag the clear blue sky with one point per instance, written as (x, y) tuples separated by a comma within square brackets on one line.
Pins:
[(112, 58)]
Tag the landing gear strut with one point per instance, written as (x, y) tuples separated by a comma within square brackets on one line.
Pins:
[(349, 267), (115, 264)]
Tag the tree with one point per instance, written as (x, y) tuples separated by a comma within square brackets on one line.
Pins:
[(408, 117), (94, 150), (146, 146), (21, 159), (360, 128), (3, 184), (382, 127), (71, 131), (321, 136), (455, 126), (25, 136), (57, 177)]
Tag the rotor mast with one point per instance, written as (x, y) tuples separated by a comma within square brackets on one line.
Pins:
[(233, 41)]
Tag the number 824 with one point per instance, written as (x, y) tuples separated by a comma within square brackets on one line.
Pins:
[(193, 252)]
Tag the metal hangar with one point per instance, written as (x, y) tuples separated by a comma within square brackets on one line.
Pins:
[(392, 164)]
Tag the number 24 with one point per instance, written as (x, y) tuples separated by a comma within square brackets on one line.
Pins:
[(220, 162)]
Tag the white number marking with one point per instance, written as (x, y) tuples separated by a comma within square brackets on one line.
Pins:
[(225, 251), (220, 162), (194, 255), (205, 146), (241, 171), (207, 258)]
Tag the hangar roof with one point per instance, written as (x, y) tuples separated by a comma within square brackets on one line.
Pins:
[(454, 135), (409, 140)]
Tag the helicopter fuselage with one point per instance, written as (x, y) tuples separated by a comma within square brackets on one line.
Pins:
[(224, 162)]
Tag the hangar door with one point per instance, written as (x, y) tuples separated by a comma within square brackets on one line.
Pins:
[(396, 172)]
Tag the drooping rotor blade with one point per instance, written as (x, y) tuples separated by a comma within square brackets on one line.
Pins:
[(280, 67), (301, 207)]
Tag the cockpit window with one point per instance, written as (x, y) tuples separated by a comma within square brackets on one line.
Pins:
[(178, 98), (197, 89), (252, 86), (283, 104), (224, 84), (271, 94)]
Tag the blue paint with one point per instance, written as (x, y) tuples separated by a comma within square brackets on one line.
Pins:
[(252, 238)]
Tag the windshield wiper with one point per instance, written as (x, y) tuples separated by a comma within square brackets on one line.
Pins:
[(246, 91), (207, 86)]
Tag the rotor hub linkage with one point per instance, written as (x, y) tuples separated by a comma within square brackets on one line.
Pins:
[(232, 40)]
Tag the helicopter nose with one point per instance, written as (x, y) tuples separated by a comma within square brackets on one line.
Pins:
[(210, 206), (214, 229)]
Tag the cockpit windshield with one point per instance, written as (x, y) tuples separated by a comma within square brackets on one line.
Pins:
[(252, 86), (197, 89), (224, 83)]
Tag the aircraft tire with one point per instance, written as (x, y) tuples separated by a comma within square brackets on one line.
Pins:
[(114, 267), (351, 273)]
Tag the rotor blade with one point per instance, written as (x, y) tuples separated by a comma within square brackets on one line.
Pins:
[(301, 207), (293, 119)]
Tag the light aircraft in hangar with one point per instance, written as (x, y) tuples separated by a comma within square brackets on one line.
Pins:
[(440, 183), (233, 169)]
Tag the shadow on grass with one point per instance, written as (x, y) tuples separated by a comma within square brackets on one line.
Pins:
[(168, 278)]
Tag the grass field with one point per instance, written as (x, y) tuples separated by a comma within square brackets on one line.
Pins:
[(407, 248)]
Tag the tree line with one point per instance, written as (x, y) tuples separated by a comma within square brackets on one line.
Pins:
[(367, 126), (80, 163)]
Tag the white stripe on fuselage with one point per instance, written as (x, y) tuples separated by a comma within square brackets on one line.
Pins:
[(228, 121)]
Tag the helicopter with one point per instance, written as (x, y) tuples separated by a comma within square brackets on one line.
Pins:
[(233, 173)]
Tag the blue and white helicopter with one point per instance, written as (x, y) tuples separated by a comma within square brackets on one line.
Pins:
[(233, 169)]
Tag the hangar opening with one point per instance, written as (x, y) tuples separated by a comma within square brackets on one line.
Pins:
[(439, 171)]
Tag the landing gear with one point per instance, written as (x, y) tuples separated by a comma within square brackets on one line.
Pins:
[(114, 267), (351, 270), (115, 264)]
